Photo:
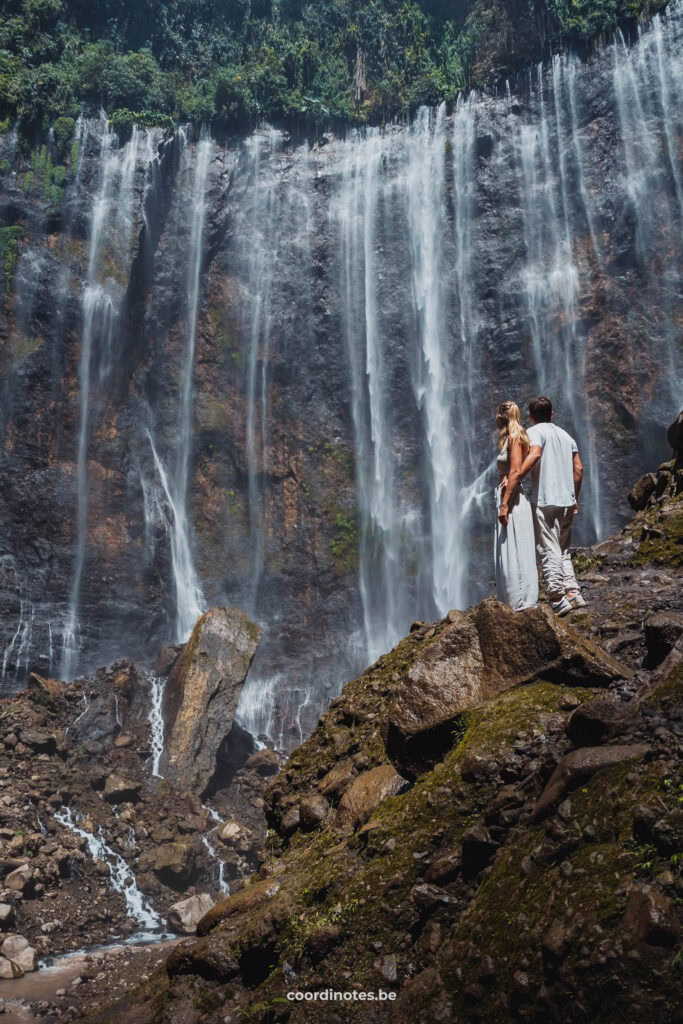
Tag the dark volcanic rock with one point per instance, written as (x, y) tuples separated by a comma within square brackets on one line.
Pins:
[(662, 630), (641, 492), (596, 722)]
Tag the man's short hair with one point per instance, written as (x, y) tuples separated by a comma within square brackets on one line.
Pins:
[(541, 409)]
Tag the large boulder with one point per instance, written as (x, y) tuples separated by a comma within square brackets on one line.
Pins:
[(201, 694), (16, 949), (244, 902), (19, 879), (475, 656), (42, 690), (99, 721), (184, 916), (120, 791), (366, 793), (174, 864), (642, 491), (651, 917)]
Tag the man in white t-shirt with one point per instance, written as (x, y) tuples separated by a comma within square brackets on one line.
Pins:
[(556, 474)]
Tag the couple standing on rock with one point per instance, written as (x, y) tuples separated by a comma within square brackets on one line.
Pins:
[(542, 526)]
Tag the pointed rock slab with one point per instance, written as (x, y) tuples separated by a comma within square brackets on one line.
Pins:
[(477, 655), (578, 766), (200, 698)]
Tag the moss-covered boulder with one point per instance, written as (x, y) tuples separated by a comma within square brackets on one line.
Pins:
[(475, 656)]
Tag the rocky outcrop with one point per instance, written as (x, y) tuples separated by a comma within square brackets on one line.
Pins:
[(475, 656), (201, 694)]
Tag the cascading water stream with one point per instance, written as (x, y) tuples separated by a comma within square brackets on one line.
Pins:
[(110, 238), (121, 878), (211, 849), (379, 564), (261, 269), (648, 90), (156, 722), (425, 179), (188, 591)]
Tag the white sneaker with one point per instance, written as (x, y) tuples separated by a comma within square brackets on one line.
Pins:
[(562, 607), (576, 599)]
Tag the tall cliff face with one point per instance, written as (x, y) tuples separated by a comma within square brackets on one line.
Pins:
[(262, 372)]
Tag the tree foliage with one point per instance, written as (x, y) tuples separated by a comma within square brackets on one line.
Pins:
[(232, 62)]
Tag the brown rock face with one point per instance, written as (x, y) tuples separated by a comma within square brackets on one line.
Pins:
[(479, 654), (202, 693), (367, 792)]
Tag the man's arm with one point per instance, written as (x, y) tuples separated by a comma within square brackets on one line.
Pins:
[(530, 461), (578, 475)]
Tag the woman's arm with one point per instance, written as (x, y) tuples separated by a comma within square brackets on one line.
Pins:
[(512, 480)]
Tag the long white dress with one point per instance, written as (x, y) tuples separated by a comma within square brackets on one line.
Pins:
[(515, 548)]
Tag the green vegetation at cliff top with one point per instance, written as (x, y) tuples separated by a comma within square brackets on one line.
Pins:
[(233, 62)]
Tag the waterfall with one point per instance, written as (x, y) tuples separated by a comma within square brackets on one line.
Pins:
[(426, 163), (188, 594), (370, 299), (156, 722), (109, 254), (261, 269), (379, 516), (276, 230), (222, 884), (648, 90), (551, 277), (188, 591), (121, 878)]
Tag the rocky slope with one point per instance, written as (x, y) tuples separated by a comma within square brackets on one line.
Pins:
[(531, 870), (100, 838)]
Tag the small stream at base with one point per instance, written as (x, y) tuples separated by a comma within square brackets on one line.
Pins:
[(121, 877), (58, 972)]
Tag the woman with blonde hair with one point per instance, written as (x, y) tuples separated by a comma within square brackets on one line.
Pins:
[(515, 547)]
